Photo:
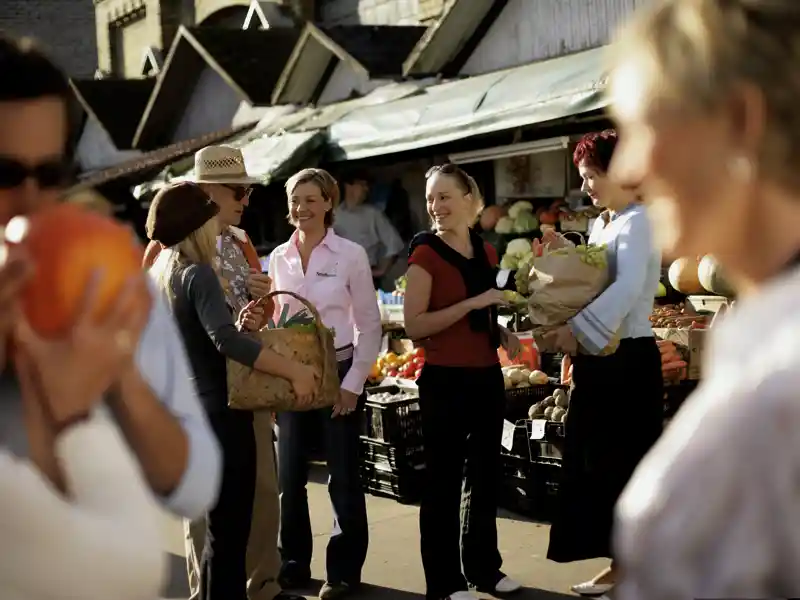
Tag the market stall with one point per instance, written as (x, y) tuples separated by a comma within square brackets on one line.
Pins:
[(691, 297)]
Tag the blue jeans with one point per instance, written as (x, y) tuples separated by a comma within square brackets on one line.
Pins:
[(347, 548)]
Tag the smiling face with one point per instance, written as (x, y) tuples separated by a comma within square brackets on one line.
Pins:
[(231, 199), (449, 205), (33, 136), (308, 207)]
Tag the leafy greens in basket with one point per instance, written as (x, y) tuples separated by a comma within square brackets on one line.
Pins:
[(302, 320)]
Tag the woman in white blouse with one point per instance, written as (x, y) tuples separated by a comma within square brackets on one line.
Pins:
[(706, 93), (77, 519)]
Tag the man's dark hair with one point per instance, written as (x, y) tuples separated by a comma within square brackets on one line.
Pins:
[(355, 175), (27, 72)]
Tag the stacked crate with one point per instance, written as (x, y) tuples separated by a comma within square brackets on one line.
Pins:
[(392, 459)]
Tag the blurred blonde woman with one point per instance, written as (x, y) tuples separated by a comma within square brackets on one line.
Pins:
[(705, 93), (182, 219)]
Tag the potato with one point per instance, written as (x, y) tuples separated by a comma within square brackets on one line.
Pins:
[(561, 398), (535, 410), (515, 375), (549, 401), (548, 412), (538, 378), (525, 373), (523, 384), (507, 382), (557, 414), (564, 417)]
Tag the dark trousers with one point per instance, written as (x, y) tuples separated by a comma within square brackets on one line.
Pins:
[(347, 548), (223, 564), (462, 425)]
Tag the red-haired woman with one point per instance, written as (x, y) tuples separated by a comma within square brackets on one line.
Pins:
[(616, 407)]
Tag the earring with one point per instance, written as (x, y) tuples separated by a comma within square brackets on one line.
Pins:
[(741, 168)]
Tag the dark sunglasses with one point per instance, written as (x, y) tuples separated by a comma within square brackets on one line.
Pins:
[(47, 175), (240, 192)]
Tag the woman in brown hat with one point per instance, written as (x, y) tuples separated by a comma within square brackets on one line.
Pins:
[(182, 219)]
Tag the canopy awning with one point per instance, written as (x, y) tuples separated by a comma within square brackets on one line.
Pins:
[(525, 95)]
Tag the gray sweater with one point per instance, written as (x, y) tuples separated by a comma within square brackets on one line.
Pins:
[(209, 333)]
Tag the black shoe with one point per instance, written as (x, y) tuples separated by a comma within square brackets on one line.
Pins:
[(290, 579), (333, 591)]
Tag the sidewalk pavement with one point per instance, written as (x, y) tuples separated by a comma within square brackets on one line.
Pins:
[(393, 570)]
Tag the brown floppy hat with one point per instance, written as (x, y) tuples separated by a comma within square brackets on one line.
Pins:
[(177, 211)]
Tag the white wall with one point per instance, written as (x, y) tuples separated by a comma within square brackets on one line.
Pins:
[(531, 30), (211, 108), (343, 81), (96, 150)]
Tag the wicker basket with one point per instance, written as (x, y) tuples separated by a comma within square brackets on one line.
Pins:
[(249, 389)]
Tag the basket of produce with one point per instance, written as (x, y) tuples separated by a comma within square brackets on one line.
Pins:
[(301, 337)]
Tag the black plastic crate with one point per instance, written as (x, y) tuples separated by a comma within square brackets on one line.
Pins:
[(394, 457), (529, 489), (403, 485), (396, 422), (519, 400), (551, 364), (550, 448)]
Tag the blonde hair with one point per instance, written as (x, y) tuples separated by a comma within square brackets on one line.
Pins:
[(701, 50), (199, 247), (466, 182), (327, 184)]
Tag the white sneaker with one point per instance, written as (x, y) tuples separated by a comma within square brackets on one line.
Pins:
[(589, 588), (463, 595), (507, 586)]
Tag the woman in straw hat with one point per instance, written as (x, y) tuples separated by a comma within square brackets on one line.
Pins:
[(706, 94), (182, 219)]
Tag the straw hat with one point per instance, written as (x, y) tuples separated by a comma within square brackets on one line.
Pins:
[(221, 164)]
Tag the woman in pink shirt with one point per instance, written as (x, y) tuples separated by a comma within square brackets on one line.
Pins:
[(334, 275)]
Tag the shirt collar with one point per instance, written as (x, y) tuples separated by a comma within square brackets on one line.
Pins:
[(331, 241)]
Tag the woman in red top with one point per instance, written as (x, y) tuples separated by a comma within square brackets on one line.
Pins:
[(450, 307)]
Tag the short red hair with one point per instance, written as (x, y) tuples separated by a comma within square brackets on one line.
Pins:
[(596, 149)]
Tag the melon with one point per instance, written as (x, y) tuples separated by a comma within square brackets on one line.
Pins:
[(711, 277), (490, 216), (683, 276)]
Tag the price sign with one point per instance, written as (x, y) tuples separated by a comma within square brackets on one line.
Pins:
[(538, 429), (507, 441)]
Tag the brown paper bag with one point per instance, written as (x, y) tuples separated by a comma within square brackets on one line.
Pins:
[(561, 285)]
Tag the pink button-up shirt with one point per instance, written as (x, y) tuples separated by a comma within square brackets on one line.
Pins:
[(338, 282)]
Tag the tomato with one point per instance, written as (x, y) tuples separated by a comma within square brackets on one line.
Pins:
[(418, 362), (392, 373), (418, 353), (417, 373)]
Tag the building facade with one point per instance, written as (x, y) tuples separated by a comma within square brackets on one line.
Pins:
[(65, 29)]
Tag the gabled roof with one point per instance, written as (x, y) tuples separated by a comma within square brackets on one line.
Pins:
[(377, 51), (462, 21), (250, 61), (117, 104)]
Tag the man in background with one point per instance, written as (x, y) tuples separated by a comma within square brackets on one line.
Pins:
[(366, 225)]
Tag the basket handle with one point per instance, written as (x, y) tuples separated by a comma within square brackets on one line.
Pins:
[(564, 234), (317, 320)]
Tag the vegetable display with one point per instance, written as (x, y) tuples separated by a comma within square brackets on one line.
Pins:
[(552, 408)]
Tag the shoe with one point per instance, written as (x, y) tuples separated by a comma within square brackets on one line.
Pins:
[(507, 586), (462, 595), (331, 591), (591, 589), (294, 581)]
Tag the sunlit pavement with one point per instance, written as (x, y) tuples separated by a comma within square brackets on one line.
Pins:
[(393, 570)]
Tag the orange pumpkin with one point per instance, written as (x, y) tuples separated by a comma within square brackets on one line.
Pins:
[(68, 244)]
